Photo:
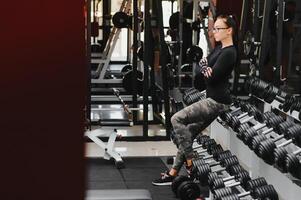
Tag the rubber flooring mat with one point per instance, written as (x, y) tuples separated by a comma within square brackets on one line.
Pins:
[(137, 174)]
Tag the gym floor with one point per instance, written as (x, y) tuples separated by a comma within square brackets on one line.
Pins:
[(136, 149), (144, 161)]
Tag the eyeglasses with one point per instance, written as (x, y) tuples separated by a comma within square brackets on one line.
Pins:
[(215, 29)]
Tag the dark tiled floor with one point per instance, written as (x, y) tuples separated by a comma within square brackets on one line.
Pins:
[(138, 174)]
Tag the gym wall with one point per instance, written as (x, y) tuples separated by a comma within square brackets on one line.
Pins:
[(229, 7), (43, 87)]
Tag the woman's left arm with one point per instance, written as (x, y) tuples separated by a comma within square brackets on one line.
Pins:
[(222, 67)]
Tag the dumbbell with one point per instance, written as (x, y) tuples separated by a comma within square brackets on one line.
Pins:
[(272, 93), (235, 169), (179, 188), (292, 164), (259, 193), (248, 134), (205, 142), (194, 97), (242, 106), (212, 149), (265, 148), (217, 155), (188, 94), (177, 182), (200, 138), (202, 170), (263, 119), (184, 188), (280, 129), (250, 186), (190, 91), (228, 116), (237, 121), (281, 155), (207, 146), (215, 182), (258, 88)]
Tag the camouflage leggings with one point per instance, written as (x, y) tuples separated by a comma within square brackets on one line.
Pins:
[(191, 121)]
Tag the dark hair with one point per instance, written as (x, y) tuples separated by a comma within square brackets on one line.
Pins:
[(230, 21)]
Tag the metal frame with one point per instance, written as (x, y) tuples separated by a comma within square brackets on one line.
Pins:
[(264, 38), (146, 63), (135, 57), (104, 58), (88, 61), (108, 148), (278, 68), (164, 69)]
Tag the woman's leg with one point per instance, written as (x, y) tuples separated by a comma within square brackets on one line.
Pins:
[(193, 119), (178, 163)]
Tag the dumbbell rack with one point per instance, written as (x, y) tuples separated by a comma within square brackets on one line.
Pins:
[(236, 186), (284, 183), (223, 174)]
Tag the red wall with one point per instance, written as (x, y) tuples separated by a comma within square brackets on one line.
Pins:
[(230, 7), (43, 86)]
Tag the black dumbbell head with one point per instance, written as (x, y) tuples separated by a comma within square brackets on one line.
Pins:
[(265, 150), (177, 181), (247, 134), (200, 139), (202, 174), (208, 143), (252, 184), (217, 183), (241, 129), (274, 121), (197, 162), (265, 192), (222, 155), (243, 177), (281, 128), (221, 192), (270, 93), (215, 149), (211, 177), (292, 164), (256, 140), (279, 157), (227, 117), (266, 116), (228, 162), (188, 190), (235, 169), (230, 197), (294, 133)]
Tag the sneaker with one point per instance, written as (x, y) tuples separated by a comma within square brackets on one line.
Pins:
[(165, 179)]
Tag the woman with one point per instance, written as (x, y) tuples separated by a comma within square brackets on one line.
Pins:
[(193, 119)]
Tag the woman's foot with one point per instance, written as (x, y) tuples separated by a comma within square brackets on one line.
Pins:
[(165, 179)]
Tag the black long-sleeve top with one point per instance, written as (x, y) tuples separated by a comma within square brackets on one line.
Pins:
[(222, 61)]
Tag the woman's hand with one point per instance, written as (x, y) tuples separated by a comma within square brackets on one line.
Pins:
[(203, 62), (205, 70)]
